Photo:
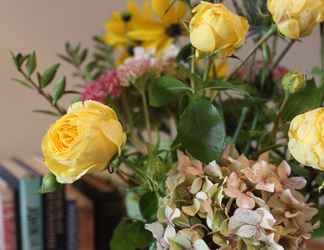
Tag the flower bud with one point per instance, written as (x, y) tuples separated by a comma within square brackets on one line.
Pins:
[(293, 82)]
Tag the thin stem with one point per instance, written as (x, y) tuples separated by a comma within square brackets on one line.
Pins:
[(240, 124), (207, 68), (272, 147), (279, 117), (192, 69), (147, 118), (322, 51), (271, 31), (47, 97), (72, 92), (283, 54), (253, 126)]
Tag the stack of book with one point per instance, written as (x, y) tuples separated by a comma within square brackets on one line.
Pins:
[(78, 217)]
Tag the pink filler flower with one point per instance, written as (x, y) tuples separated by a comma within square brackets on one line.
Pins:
[(106, 85)]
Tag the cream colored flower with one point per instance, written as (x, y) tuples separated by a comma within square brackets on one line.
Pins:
[(82, 141), (296, 18), (216, 28), (306, 138)]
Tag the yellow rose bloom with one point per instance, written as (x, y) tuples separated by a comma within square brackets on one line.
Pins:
[(84, 140), (296, 18), (306, 138), (215, 28)]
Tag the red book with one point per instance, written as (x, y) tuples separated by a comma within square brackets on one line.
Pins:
[(8, 216)]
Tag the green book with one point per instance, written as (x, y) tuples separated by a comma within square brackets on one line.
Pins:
[(29, 204), (31, 213)]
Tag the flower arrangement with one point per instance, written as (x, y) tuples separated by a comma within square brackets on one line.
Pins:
[(214, 157)]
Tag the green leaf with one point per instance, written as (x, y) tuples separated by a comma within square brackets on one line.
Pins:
[(59, 90), (224, 85), (130, 235), (49, 184), (201, 130), (23, 83), (305, 100), (45, 112), (31, 63), (317, 71), (165, 90), (49, 75), (132, 205), (18, 59), (148, 206)]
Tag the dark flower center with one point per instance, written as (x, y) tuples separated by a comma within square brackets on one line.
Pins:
[(127, 17), (174, 30), (130, 50)]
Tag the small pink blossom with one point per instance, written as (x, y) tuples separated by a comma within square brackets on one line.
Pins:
[(132, 69), (106, 85), (284, 171), (262, 174), (188, 167), (236, 188)]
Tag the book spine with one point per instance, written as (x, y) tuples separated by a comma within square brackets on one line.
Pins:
[(31, 214), (72, 226), (10, 230), (2, 237), (14, 184), (54, 218)]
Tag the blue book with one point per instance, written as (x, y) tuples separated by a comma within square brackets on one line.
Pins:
[(72, 226), (53, 207), (29, 204)]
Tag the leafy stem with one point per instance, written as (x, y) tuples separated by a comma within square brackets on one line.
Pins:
[(147, 118), (244, 113), (47, 97), (283, 54), (271, 31), (279, 117)]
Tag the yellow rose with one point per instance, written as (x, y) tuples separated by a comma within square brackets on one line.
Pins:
[(296, 18), (215, 28), (84, 140), (306, 138)]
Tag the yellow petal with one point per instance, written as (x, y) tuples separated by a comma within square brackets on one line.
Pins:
[(205, 42), (290, 28), (94, 106), (113, 130)]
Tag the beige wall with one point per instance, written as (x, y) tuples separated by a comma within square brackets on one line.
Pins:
[(45, 25)]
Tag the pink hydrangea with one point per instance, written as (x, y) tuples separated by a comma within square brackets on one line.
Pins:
[(106, 85)]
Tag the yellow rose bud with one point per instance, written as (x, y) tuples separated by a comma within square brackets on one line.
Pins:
[(84, 140), (294, 18), (293, 82), (306, 138), (215, 28)]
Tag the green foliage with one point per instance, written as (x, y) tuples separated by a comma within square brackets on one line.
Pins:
[(201, 130), (225, 85), (46, 112), (22, 82), (148, 206), (89, 67), (48, 76), (307, 99), (31, 63), (132, 200), (59, 90), (165, 90), (130, 235)]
